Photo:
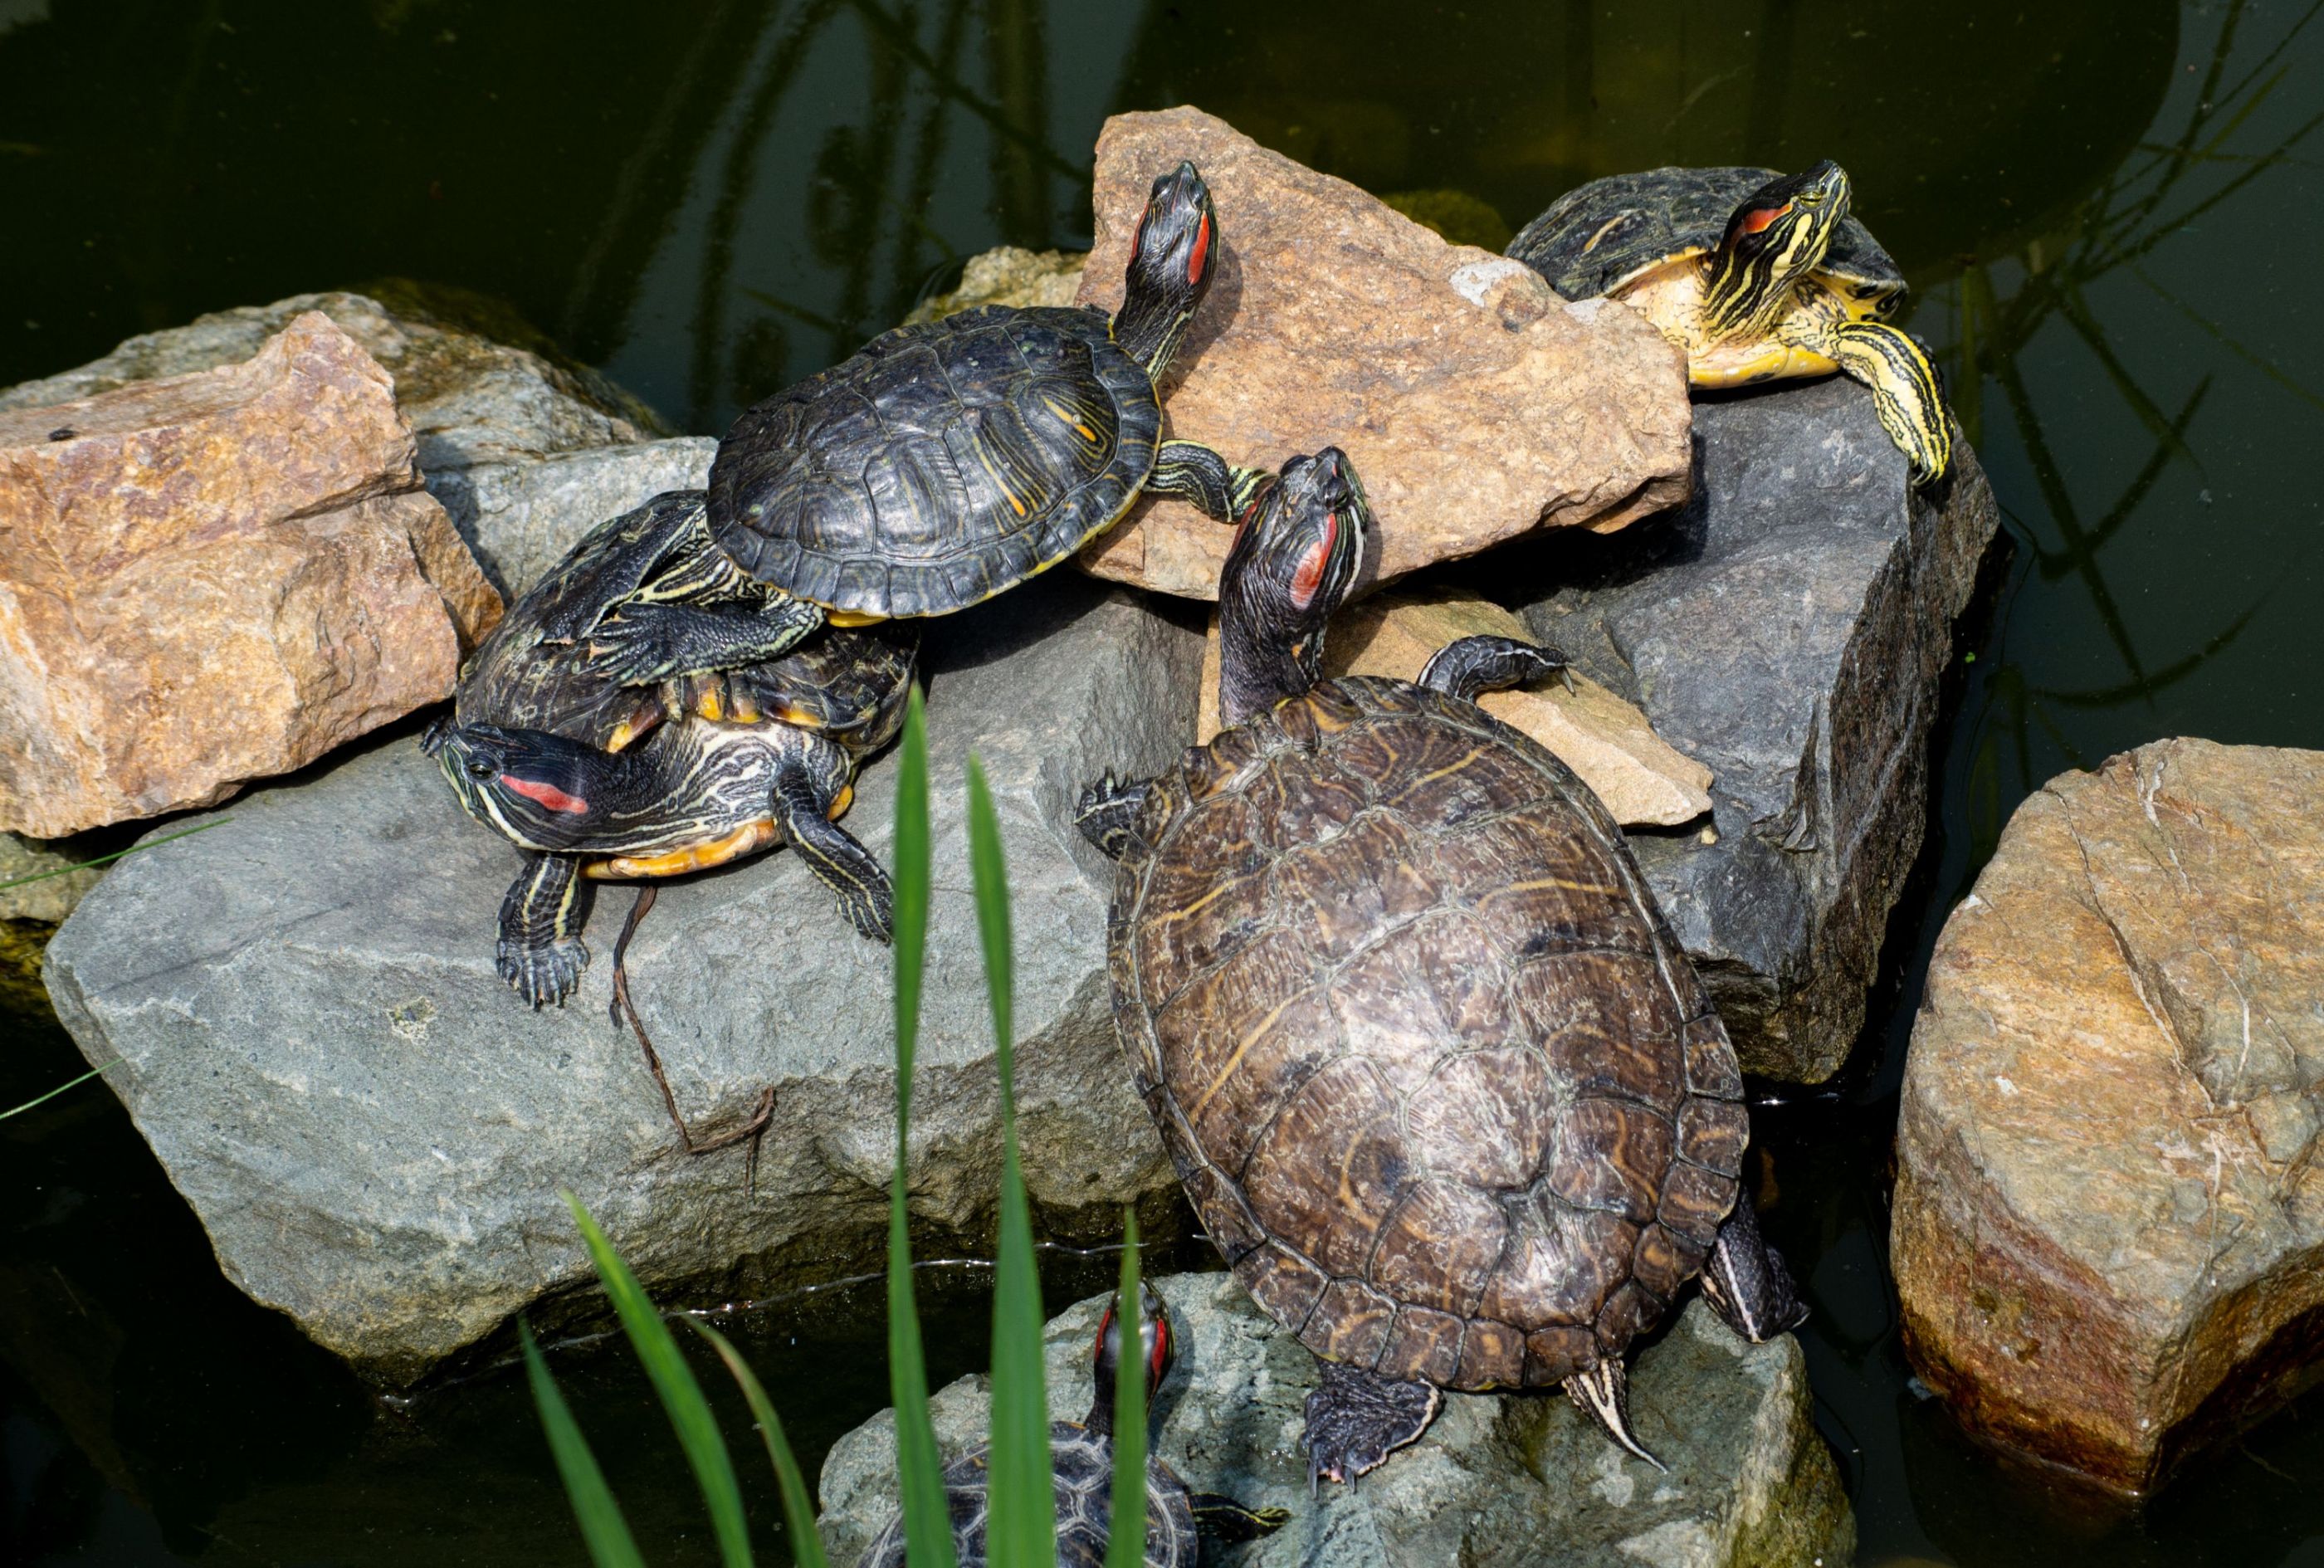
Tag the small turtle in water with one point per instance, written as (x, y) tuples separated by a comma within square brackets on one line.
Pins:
[(1756, 275), (1439, 1080), (1081, 1456), (727, 751)]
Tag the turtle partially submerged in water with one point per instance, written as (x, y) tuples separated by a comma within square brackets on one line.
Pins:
[(1081, 1456), (1439, 1080), (555, 741), (1756, 275)]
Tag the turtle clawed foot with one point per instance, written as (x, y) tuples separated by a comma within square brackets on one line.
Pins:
[(1356, 1419), (544, 975), (872, 912)]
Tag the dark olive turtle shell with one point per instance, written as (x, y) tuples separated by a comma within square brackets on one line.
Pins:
[(1440, 1082), (841, 681), (1084, 1491), (942, 463), (1598, 236)]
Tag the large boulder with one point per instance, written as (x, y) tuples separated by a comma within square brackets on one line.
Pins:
[(1787, 629), (521, 518), (2109, 1225), (1478, 405), (1518, 1479), (374, 1130), (215, 578)]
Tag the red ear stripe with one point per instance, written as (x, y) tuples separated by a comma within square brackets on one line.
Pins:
[(1310, 574), (549, 794), (1764, 216), (1200, 254)]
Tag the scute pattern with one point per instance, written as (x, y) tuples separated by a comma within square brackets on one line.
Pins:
[(942, 463), (1437, 1075), (1084, 1494)]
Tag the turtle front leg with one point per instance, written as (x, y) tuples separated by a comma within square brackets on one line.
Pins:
[(641, 643), (1358, 1418), (541, 953), (1905, 390), (1193, 473), (1107, 814), (1226, 1521), (811, 787), (1746, 1282), (1475, 664)]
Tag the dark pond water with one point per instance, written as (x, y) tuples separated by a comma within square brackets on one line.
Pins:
[(2110, 213)]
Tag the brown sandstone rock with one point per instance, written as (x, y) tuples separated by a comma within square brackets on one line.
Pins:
[(1607, 740), (1007, 275), (1477, 405), (215, 576), (2109, 1214)]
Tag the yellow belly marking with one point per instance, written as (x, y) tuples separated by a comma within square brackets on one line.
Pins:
[(676, 862)]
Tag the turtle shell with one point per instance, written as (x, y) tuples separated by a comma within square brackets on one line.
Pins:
[(1598, 237), (943, 462), (1437, 1078), (1084, 1491), (527, 673)]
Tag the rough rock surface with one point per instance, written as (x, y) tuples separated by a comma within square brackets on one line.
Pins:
[(1007, 275), (1478, 406), (2109, 1217), (1787, 629), (374, 1130), (215, 578), (522, 517), (1602, 738), (1498, 1480)]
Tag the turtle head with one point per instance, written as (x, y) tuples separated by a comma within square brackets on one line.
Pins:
[(1293, 563), (1171, 259), (543, 791), (1157, 1347), (1775, 237)]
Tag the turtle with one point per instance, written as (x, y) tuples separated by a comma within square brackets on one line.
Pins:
[(1081, 1456), (1756, 275), (1439, 1082), (949, 460), (598, 776)]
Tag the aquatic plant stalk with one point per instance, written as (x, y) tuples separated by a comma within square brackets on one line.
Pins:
[(1125, 1546), (68, 1084), (681, 1395), (602, 1528), (919, 1479), (798, 1506), (1023, 1528)]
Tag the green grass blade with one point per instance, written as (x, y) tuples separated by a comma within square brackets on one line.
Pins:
[(681, 1396), (920, 1477), (68, 1083), (605, 1530), (798, 1507), (98, 860), (1126, 1548), (1024, 1518)]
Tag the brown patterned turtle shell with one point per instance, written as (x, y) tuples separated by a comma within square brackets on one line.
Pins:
[(1437, 1077)]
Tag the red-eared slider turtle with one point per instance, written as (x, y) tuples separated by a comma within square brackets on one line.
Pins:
[(948, 461), (1756, 275), (599, 778), (1438, 1080), (1081, 1455)]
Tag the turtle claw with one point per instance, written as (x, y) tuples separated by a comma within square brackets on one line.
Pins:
[(1356, 1419), (545, 974)]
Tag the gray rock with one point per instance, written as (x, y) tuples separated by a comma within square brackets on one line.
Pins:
[(520, 518), (1498, 1479), (1787, 627), (374, 1130)]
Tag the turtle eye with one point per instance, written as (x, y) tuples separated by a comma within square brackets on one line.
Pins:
[(480, 769)]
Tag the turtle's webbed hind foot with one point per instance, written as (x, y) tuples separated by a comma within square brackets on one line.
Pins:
[(543, 976), (1604, 1391), (1107, 814), (1358, 1418), (1745, 1281)]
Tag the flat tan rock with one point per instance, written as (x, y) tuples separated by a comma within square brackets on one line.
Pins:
[(217, 577), (1477, 405), (1643, 781), (2109, 1214)]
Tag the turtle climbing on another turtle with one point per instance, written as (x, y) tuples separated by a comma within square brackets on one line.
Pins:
[(598, 777), (948, 461), (1756, 275), (1442, 1086), (1081, 1455)]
